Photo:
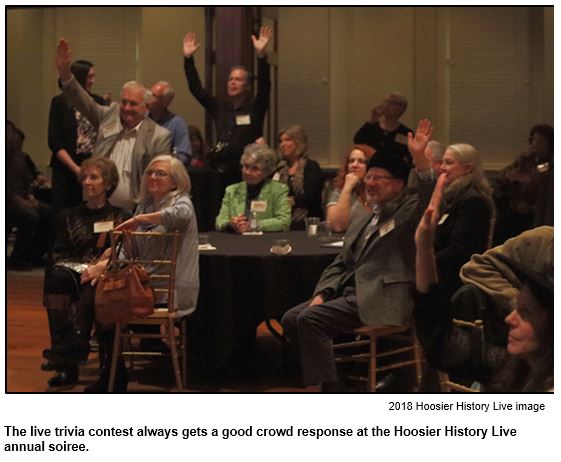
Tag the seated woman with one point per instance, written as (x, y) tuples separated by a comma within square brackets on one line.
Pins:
[(302, 175), (348, 198), (467, 210), (526, 364), (256, 193), (78, 242), (164, 206)]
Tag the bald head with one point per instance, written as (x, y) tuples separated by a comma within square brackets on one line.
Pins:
[(162, 96)]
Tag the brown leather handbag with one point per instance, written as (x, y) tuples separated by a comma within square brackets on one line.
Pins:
[(123, 292)]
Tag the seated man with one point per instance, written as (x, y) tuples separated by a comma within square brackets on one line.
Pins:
[(256, 195), (370, 281)]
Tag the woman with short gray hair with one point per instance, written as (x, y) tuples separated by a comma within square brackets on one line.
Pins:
[(256, 195)]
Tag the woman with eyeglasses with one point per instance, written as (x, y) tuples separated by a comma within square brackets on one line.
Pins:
[(467, 211), (164, 206), (257, 195)]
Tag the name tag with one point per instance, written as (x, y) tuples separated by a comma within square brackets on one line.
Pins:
[(103, 226), (400, 138), (244, 119), (276, 176), (258, 206), (110, 130), (443, 218), (387, 227)]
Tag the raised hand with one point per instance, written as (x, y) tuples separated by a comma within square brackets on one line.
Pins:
[(418, 143), (190, 45), (265, 34), (424, 235), (63, 59)]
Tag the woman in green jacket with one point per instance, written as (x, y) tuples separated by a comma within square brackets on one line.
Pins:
[(257, 195)]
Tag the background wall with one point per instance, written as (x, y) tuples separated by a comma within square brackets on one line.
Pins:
[(334, 65)]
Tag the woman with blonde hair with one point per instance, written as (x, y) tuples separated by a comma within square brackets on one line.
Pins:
[(467, 211), (302, 175)]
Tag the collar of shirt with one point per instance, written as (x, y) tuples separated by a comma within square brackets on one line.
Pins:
[(126, 134)]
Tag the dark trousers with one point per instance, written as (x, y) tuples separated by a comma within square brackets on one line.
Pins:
[(311, 330)]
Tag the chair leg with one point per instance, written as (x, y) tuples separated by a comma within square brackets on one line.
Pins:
[(174, 359), (183, 343), (115, 356), (418, 360), (372, 366)]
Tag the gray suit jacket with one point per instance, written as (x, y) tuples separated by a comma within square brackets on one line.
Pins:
[(151, 139), (384, 273)]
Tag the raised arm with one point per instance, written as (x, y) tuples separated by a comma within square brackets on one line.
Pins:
[(425, 263), (63, 59), (417, 144), (260, 44)]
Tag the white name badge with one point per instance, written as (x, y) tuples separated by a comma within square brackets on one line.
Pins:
[(110, 130), (103, 226), (387, 227), (244, 119), (400, 138), (443, 218), (258, 206)]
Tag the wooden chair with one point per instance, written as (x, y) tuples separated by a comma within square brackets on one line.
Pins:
[(368, 336), (447, 385), (166, 316)]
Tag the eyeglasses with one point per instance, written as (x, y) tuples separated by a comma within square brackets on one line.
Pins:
[(379, 177), (156, 173)]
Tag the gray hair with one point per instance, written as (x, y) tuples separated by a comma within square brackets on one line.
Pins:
[(178, 173), (399, 99), (133, 84), (466, 154), (262, 156), (437, 150)]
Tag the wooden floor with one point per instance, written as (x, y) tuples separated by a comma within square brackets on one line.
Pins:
[(27, 336)]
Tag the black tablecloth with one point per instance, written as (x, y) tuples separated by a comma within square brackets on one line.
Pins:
[(206, 193), (243, 284)]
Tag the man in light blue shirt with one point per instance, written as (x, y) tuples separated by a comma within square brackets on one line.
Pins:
[(162, 96)]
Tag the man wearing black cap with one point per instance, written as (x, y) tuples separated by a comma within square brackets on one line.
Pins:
[(370, 281)]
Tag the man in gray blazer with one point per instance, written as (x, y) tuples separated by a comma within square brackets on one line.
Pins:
[(369, 282), (124, 132)]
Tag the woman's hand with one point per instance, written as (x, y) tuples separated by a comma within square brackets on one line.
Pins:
[(93, 272), (265, 34), (351, 180), (418, 143), (240, 224), (131, 224), (190, 45)]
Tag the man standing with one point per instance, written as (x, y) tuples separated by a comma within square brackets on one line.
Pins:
[(239, 118), (162, 96), (384, 129), (124, 132), (369, 282)]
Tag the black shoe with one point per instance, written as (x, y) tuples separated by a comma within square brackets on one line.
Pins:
[(69, 352), (102, 384), (50, 366), (64, 377)]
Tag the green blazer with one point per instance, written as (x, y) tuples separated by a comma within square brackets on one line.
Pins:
[(275, 218)]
